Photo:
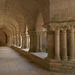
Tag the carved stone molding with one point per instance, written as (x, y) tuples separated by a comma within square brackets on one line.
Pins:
[(59, 26)]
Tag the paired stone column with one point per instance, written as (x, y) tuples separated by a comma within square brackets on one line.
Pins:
[(41, 41), (33, 41), (71, 43), (23, 35), (60, 42), (57, 43), (64, 44), (54, 43)]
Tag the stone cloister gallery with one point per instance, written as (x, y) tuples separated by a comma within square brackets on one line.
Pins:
[(43, 31)]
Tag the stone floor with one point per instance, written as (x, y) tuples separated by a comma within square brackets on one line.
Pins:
[(11, 63)]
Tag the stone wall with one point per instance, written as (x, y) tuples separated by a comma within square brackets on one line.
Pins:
[(53, 66), (62, 10)]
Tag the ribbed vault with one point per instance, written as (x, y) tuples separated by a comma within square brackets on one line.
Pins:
[(16, 14)]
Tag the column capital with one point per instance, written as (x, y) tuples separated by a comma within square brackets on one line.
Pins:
[(51, 26), (57, 30), (56, 26), (71, 30), (32, 31), (65, 27)]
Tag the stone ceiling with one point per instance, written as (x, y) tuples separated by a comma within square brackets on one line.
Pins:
[(16, 14)]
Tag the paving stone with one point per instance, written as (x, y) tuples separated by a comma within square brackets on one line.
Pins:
[(11, 63)]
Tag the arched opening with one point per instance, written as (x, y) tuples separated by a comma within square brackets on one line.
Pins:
[(27, 39), (3, 38), (41, 35)]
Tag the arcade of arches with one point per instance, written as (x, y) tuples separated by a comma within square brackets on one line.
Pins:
[(41, 30)]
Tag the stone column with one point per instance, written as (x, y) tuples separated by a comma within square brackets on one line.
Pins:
[(44, 47), (18, 40), (57, 44), (41, 41), (14, 40), (38, 41), (23, 35), (27, 41), (71, 43), (33, 41), (23, 41), (17, 43), (64, 44)]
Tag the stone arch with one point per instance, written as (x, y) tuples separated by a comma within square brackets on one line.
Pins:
[(3, 38)]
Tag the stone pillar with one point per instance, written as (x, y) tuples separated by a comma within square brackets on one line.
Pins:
[(50, 45), (44, 41), (14, 40), (71, 43), (41, 41), (23, 35), (17, 43), (33, 41), (23, 40), (50, 42), (27, 41), (38, 41), (57, 44), (18, 40), (64, 44)]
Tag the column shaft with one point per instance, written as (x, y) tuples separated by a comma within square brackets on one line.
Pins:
[(64, 45), (71, 44), (18, 42), (38, 41), (14, 40), (57, 45)]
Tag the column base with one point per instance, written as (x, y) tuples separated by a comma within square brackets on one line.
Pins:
[(57, 59), (65, 58), (48, 59), (71, 59)]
